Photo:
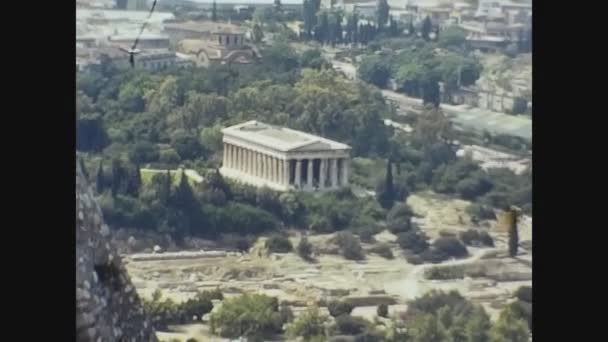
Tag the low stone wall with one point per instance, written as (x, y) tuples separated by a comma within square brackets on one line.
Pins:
[(177, 255)]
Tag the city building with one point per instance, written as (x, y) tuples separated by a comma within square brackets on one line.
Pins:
[(151, 59), (212, 43), (283, 159), (146, 41)]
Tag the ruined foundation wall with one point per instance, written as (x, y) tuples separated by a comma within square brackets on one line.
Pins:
[(107, 306)]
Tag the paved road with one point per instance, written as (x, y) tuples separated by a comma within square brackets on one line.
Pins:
[(468, 119)]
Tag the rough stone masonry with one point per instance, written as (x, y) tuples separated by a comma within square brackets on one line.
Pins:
[(107, 306)]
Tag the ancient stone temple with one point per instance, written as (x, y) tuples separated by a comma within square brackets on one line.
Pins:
[(107, 306), (281, 158)]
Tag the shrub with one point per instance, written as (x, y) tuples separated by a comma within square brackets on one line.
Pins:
[(350, 246), (240, 243), (169, 156), (382, 310), (337, 308), (191, 340), (349, 325), (435, 300), (522, 310), (286, 314), (480, 212), (309, 325), (304, 249), (279, 244), (473, 237), (253, 315), (451, 247), (433, 255), (383, 250), (486, 239), (524, 294), (414, 241), (414, 259)]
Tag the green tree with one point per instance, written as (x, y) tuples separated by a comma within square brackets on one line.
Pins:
[(382, 12), (310, 325), (134, 182), (374, 69), (386, 194), (85, 173), (509, 328), (278, 244), (425, 328), (304, 249), (513, 233), (452, 36), (337, 308), (313, 59), (214, 11), (427, 27), (101, 178), (251, 315), (478, 326), (256, 33), (144, 152), (382, 310)]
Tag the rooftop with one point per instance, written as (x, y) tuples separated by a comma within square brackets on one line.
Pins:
[(281, 138), (205, 27)]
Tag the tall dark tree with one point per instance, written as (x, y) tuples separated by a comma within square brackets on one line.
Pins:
[(214, 11), (337, 29), (316, 5), (382, 13), (118, 177), (101, 180), (427, 28), (431, 93), (83, 168), (411, 29), (386, 193), (134, 183), (393, 29), (513, 233), (278, 7), (166, 191), (309, 17)]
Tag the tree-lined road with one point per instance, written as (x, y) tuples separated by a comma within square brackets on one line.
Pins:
[(464, 118)]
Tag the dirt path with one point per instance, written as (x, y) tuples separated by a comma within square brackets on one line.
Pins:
[(414, 284)]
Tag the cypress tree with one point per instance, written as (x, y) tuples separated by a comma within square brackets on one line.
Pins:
[(101, 182), (166, 193), (427, 26), (386, 195), (134, 183), (117, 177), (513, 233), (83, 168), (214, 11)]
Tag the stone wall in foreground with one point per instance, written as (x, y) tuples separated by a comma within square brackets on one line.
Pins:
[(107, 306)]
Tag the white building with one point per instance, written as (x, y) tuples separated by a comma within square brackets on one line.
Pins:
[(282, 159)]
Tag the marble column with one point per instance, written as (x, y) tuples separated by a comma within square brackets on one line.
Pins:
[(258, 163), (273, 169), (285, 179), (225, 158), (229, 162), (298, 180), (322, 172), (265, 167), (309, 173), (238, 158), (345, 171), (334, 173)]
